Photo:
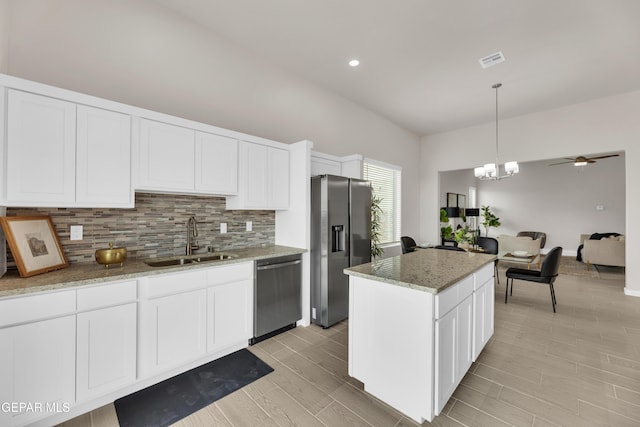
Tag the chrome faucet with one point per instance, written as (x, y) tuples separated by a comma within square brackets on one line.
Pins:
[(192, 233)]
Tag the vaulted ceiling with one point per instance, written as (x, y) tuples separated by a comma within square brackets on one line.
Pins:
[(419, 58)]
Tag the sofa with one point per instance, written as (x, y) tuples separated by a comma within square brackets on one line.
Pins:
[(604, 251)]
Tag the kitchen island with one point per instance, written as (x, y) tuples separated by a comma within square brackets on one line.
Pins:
[(416, 323)]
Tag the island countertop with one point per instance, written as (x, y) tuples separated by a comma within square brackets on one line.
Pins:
[(428, 270)]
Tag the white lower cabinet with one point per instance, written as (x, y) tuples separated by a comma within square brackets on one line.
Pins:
[(64, 351), (172, 331), (37, 368), (106, 338), (185, 316), (230, 307), (453, 337), (483, 308), (106, 350)]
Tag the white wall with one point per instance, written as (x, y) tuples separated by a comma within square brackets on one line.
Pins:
[(4, 35), (140, 53), (603, 125)]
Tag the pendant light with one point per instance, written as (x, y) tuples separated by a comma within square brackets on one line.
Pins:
[(491, 171)]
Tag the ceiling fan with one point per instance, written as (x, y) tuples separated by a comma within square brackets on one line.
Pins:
[(582, 160)]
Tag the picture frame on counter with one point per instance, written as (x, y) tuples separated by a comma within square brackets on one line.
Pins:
[(34, 244)]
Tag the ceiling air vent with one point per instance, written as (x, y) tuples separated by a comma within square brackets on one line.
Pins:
[(491, 60)]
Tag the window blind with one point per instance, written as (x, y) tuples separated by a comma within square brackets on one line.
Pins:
[(386, 183)]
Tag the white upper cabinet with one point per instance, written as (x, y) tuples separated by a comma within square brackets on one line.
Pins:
[(177, 159), (62, 154), (216, 164), (65, 149), (264, 178), (103, 158), (166, 157), (41, 150)]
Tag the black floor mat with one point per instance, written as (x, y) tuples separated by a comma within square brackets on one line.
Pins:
[(165, 403)]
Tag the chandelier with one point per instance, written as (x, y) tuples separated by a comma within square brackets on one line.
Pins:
[(492, 170)]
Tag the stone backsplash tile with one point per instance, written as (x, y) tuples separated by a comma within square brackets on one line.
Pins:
[(157, 226)]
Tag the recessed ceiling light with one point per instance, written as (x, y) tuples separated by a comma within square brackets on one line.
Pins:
[(354, 63)]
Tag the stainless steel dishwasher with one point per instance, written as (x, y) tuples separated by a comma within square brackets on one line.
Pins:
[(277, 296)]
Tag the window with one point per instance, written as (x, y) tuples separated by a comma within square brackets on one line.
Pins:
[(386, 184)]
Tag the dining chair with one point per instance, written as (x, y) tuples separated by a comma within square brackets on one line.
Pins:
[(490, 246), (408, 244), (547, 274)]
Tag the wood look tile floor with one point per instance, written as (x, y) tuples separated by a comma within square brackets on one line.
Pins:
[(578, 367)]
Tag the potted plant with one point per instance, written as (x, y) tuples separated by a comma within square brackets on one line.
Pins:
[(490, 220), (445, 230), (463, 237), (376, 213)]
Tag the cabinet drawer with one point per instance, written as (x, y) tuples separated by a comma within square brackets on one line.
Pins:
[(106, 295), (156, 286), (482, 276), (451, 297), (229, 273), (36, 307)]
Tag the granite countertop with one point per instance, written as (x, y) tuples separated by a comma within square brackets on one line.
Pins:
[(80, 274), (428, 270)]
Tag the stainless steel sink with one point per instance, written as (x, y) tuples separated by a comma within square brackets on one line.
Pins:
[(184, 260)]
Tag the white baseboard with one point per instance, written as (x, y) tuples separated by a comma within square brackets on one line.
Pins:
[(631, 293)]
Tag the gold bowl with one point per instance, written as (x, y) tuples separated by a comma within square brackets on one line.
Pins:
[(111, 256)]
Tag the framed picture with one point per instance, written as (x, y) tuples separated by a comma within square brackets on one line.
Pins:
[(462, 201), (452, 200), (34, 244)]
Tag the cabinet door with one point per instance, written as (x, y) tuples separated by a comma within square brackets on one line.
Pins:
[(278, 178), (41, 138), (172, 331), (216, 164), (483, 305), (103, 158), (37, 365), (264, 178), (229, 315), (446, 357), (256, 185), (106, 350), (489, 311), (464, 337), (166, 157)]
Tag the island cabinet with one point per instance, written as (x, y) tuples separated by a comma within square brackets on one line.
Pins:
[(409, 343), (453, 338), (483, 301), (37, 356), (63, 154), (263, 178), (174, 158)]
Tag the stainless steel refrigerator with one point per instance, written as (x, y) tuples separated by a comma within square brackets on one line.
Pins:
[(340, 238)]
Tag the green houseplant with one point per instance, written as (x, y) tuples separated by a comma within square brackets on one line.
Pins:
[(489, 219), (376, 213), (462, 235), (445, 230)]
